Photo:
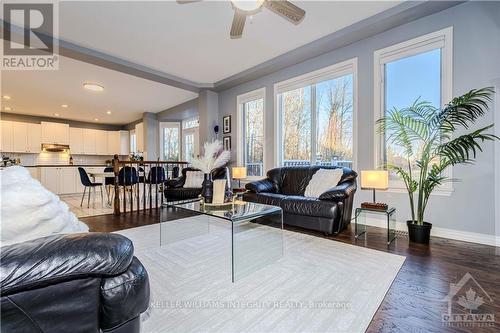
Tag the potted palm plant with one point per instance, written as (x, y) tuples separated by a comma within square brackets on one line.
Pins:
[(426, 138)]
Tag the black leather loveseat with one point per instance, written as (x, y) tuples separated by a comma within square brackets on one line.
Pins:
[(285, 187), (87, 282), (175, 190)]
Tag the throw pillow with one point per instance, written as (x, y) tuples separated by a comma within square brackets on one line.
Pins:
[(322, 181), (193, 179), (30, 211)]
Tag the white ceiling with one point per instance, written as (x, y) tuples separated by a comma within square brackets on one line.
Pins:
[(192, 40), (42, 93)]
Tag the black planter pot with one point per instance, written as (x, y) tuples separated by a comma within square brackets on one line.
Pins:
[(207, 188), (419, 233)]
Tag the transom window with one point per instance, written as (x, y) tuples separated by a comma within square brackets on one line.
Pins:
[(416, 69), (316, 117), (251, 144)]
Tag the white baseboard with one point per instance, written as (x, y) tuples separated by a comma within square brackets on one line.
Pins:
[(465, 236)]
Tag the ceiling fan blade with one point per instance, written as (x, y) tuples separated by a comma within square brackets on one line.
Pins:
[(183, 2), (238, 24), (286, 9)]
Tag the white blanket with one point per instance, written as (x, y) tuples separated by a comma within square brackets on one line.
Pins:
[(29, 210)]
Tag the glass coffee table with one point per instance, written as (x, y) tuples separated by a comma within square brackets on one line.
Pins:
[(255, 231)]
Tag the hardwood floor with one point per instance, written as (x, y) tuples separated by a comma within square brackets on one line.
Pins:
[(415, 301)]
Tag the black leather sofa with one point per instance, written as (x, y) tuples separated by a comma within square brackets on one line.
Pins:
[(285, 187), (86, 282), (175, 190)]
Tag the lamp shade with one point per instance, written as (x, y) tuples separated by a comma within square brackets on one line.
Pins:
[(375, 179), (239, 172)]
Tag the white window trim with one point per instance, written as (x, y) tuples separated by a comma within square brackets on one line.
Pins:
[(167, 124), (240, 100), (132, 133), (442, 39), (337, 70)]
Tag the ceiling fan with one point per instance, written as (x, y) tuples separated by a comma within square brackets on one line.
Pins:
[(244, 8)]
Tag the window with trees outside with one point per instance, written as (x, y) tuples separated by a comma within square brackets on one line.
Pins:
[(170, 141), (251, 132), (417, 69), (316, 117)]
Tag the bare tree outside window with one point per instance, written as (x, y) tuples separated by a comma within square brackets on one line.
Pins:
[(296, 117), (171, 143), (334, 105), (253, 115), (322, 112)]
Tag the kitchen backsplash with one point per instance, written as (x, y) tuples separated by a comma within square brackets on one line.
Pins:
[(51, 158)]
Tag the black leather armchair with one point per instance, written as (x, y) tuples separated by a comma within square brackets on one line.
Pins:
[(285, 187), (175, 190), (87, 282)]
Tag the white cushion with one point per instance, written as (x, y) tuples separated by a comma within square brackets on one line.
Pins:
[(31, 211), (322, 181), (193, 179)]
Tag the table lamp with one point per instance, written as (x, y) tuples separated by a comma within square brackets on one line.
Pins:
[(374, 180), (239, 173)]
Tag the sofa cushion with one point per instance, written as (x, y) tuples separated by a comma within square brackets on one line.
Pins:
[(321, 181), (264, 198), (300, 205)]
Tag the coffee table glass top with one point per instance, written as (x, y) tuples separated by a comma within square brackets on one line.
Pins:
[(238, 211)]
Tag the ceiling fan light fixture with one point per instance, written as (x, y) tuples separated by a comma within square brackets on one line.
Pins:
[(247, 6)]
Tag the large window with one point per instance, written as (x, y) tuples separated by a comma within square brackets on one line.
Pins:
[(316, 117), (190, 138), (251, 132), (416, 69), (170, 141)]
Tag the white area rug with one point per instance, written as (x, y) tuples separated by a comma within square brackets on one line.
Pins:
[(319, 285)]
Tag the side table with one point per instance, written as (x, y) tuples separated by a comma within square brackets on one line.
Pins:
[(361, 213)]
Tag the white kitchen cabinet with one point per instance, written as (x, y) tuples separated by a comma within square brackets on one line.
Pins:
[(101, 139), (6, 145), (50, 178), (34, 138), (55, 133), (60, 180), (66, 180), (89, 141), (113, 142), (19, 137), (124, 143), (139, 135), (76, 140)]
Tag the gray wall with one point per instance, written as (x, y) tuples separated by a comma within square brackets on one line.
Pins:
[(476, 63), (208, 108), (180, 112)]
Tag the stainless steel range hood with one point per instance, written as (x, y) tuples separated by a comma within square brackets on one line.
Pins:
[(54, 147)]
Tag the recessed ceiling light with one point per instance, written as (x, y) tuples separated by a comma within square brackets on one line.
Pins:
[(96, 119), (93, 86), (6, 97), (56, 114), (64, 105), (7, 108), (108, 112)]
